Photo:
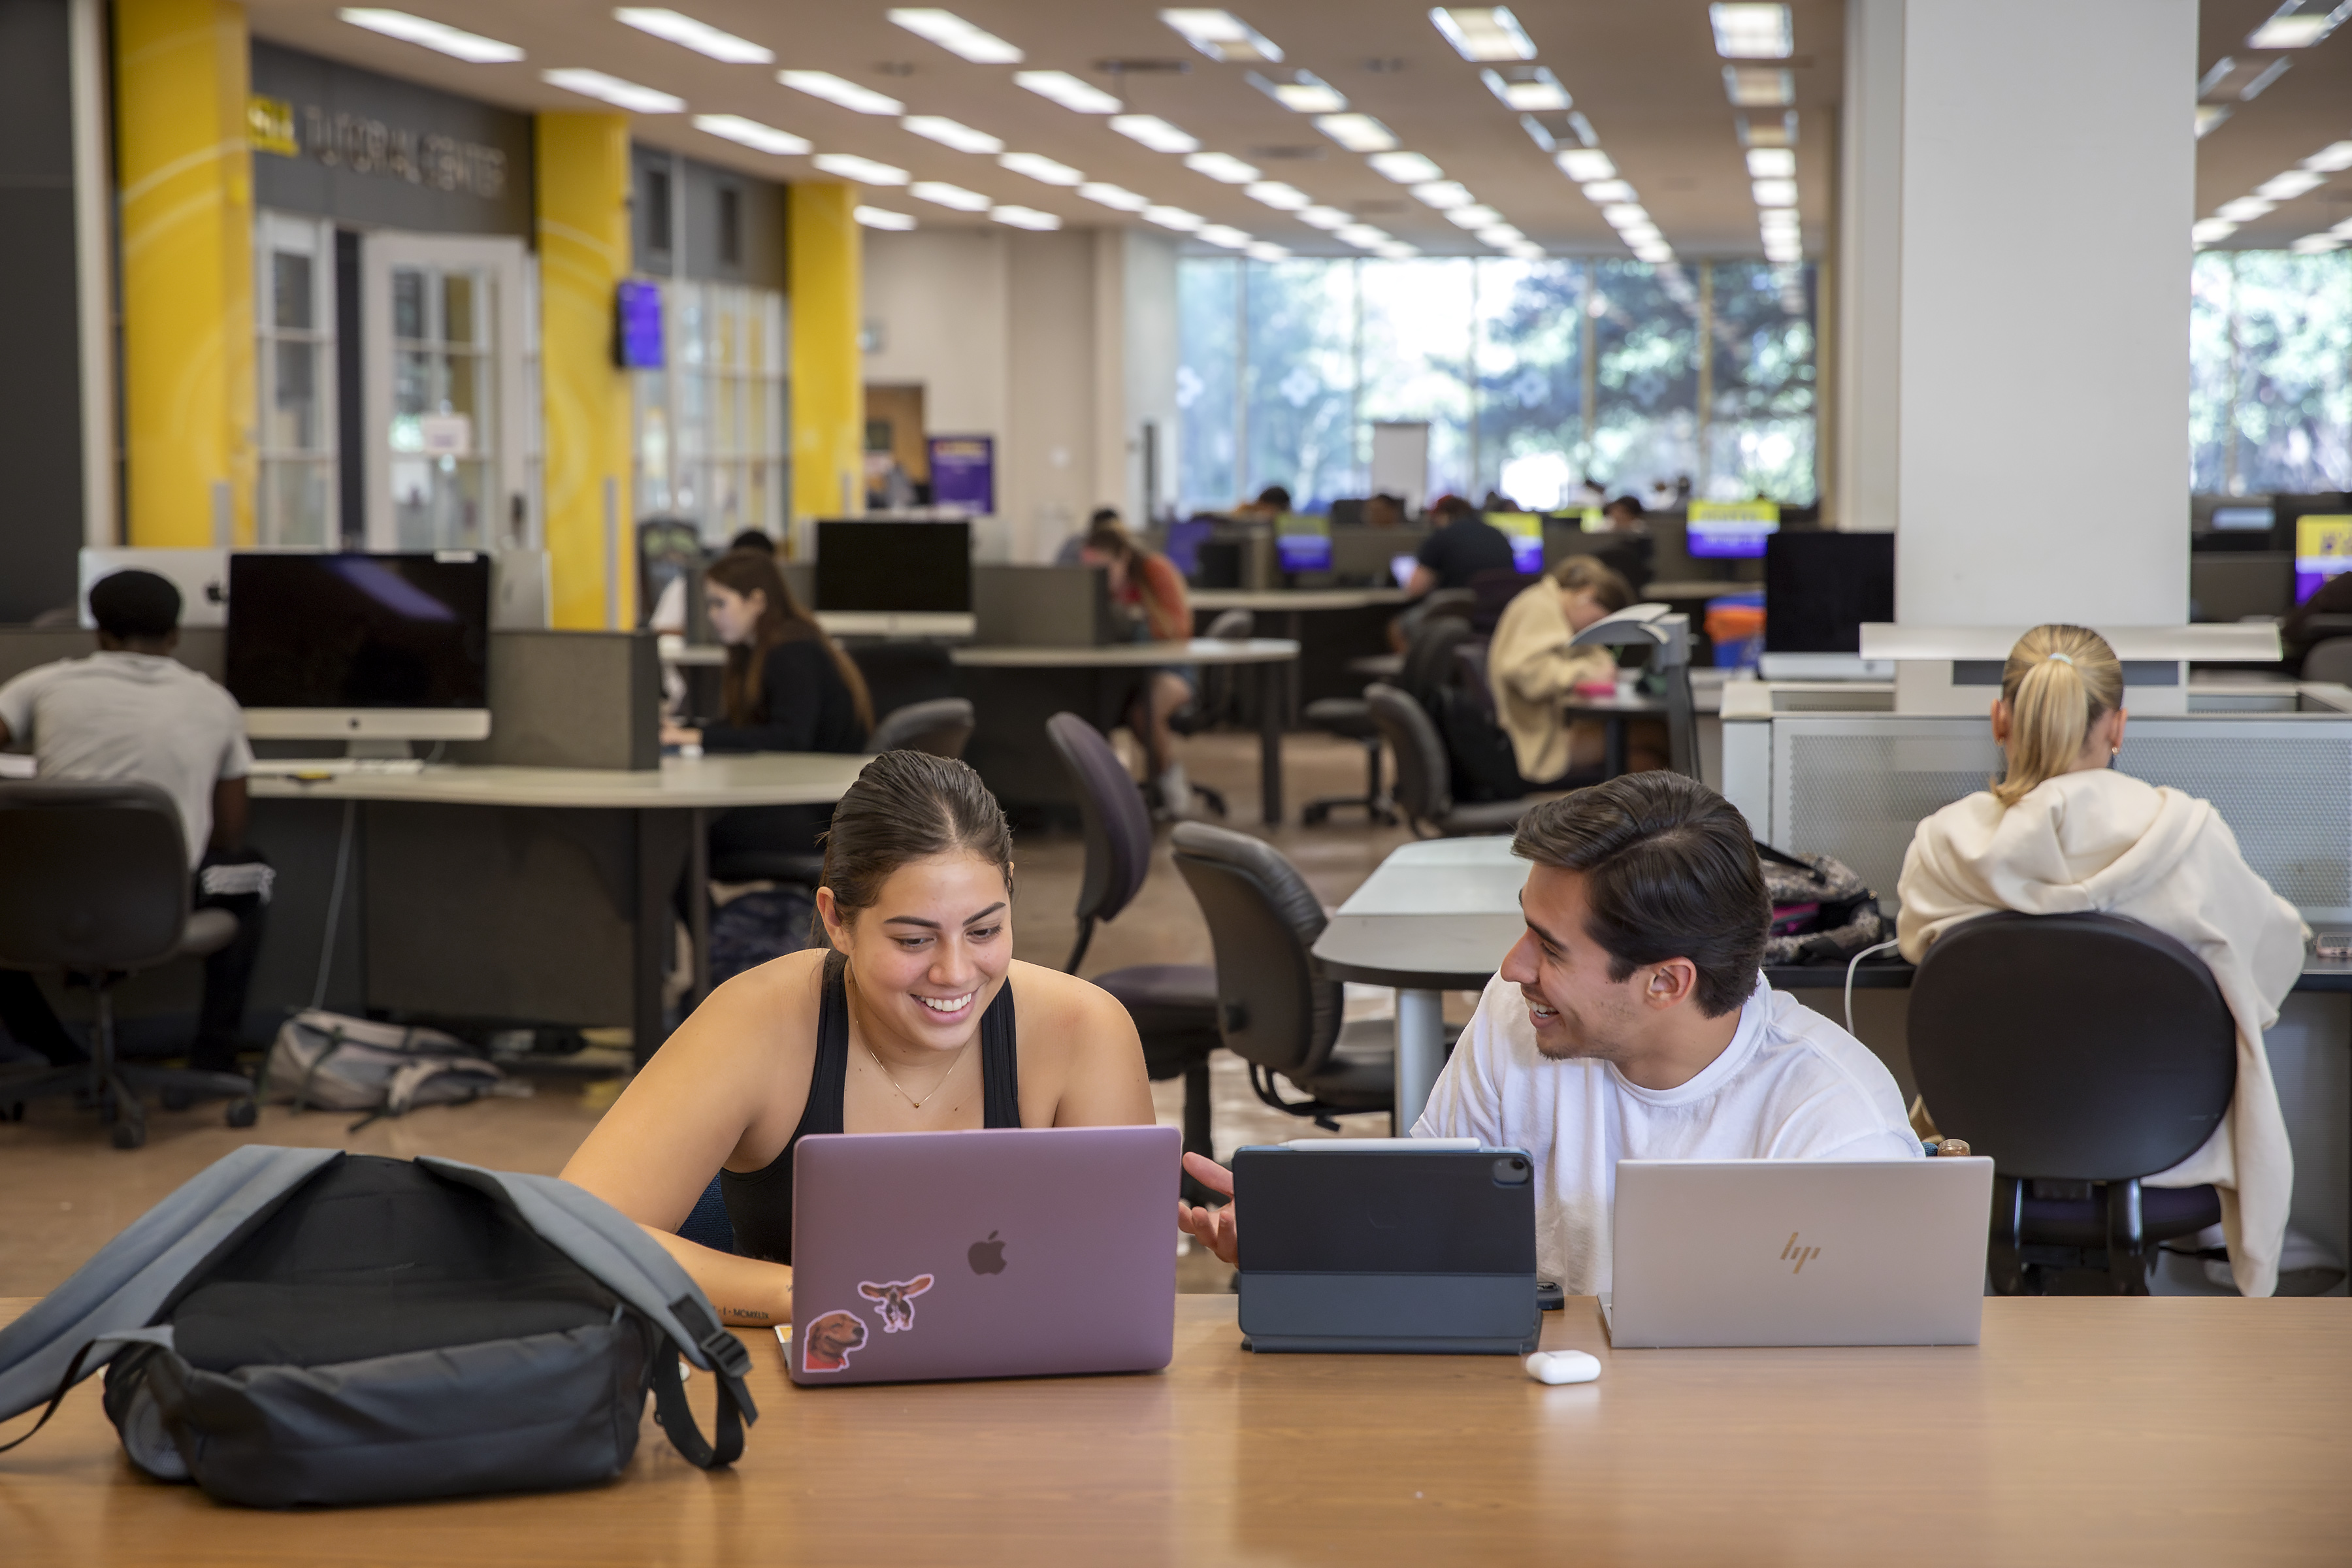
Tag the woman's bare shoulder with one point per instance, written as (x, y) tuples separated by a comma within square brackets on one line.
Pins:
[(1064, 1005)]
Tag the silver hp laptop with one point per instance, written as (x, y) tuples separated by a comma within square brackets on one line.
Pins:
[(1799, 1252), (1006, 1253)]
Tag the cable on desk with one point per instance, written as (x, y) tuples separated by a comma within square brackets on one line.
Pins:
[(335, 906)]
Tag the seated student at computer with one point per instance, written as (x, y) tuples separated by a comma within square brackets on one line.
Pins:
[(1464, 545), (1148, 590), (131, 713), (1632, 1021), (1533, 667), (907, 1025), (2063, 832), (1626, 514)]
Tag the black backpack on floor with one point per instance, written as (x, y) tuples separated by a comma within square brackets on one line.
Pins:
[(302, 1326)]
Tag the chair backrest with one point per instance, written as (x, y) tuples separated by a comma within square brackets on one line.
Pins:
[(1494, 589), (1232, 626), (940, 727), (92, 876), (1274, 1006), (1470, 674), (1429, 662), (2330, 659), (900, 674), (1111, 812), (1424, 782), (2072, 1047)]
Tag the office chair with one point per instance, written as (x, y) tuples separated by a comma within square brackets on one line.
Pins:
[(1277, 1008), (1351, 719), (1174, 1006), (1218, 701), (2330, 659), (2082, 1052), (940, 727), (94, 882), (1424, 772)]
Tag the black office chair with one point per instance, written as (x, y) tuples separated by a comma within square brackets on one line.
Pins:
[(1277, 1008), (2083, 1053), (940, 726), (1174, 1006), (1424, 773), (1218, 702), (2330, 659), (94, 882)]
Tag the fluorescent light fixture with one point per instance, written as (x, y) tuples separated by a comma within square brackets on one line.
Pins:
[(1473, 217), (1585, 164), (1362, 236), (1745, 32), (1222, 35), (1176, 219), (1783, 255), (1082, 96), (1638, 234), (1356, 133), (2285, 30), (612, 89), (456, 42), (700, 37), (2245, 209), (1780, 220), (1224, 235), (1655, 255), (1617, 215), (2332, 159), (883, 218), (1222, 167), (1603, 193), (1279, 196), (863, 171), (1025, 217), (838, 89), (1774, 193), (2207, 230), (1154, 133), (1772, 163), (2343, 230), (1404, 168), (2316, 245), (1039, 167), (1759, 87), (1266, 250), (1329, 219), (950, 133), (751, 133), (1501, 235), (944, 194), (958, 37), (2288, 186), (1444, 194), (1530, 90), (1303, 93), (1395, 251), (2209, 115), (1523, 250), (1484, 33), (1117, 198)]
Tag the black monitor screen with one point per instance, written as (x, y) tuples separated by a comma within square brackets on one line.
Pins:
[(1819, 589), (904, 567), (360, 631)]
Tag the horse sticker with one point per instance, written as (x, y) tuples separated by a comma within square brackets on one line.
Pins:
[(896, 1299), (825, 1344)]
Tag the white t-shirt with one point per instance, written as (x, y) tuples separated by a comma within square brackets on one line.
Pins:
[(141, 717), (1791, 1085)]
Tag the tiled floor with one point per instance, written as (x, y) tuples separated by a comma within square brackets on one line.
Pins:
[(64, 1189)]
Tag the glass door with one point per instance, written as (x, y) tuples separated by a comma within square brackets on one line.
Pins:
[(294, 262)]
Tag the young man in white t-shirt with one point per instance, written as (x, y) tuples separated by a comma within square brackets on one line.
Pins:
[(1631, 1021)]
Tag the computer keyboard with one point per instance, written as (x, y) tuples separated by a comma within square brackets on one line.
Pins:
[(335, 767)]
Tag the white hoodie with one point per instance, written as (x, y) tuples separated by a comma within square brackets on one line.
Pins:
[(2104, 841)]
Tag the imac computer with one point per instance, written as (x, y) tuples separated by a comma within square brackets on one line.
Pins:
[(894, 578), (1525, 531), (1729, 531), (1820, 590), (200, 575), (375, 650), (2323, 548), (1302, 543)]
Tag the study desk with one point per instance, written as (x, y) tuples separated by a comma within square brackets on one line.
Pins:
[(2144, 1430), (465, 876), (1333, 627)]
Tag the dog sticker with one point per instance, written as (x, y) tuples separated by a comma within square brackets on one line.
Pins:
[(896, 1299), (825, 1344)]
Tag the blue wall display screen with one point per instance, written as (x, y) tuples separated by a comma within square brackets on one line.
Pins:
[(637, 326)]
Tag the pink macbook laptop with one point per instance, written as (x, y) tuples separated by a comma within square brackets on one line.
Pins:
[(1013, 1252)]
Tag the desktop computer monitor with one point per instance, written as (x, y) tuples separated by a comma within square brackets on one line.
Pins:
[(898, 568), (1302, 543), (1525, 531), (362, 647), (1729, 530), (1819, 589), (2323, 548), (1182, 545)]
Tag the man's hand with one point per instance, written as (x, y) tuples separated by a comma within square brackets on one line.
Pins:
[(1213, 1228)]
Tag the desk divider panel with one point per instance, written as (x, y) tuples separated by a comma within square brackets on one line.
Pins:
[(571, 700), (1043, 606), (204, 649)]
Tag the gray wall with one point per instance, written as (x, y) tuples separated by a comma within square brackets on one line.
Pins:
[(696, 195)]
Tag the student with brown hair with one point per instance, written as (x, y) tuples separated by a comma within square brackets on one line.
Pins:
[(1146, 587), (1533, 667)]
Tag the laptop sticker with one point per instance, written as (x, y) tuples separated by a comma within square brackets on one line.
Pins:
[(825, 1344), (896, 1299)]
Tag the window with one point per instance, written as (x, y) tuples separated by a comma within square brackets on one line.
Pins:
[(710, 426), (731, 227), (2270, 397), (296, 498)]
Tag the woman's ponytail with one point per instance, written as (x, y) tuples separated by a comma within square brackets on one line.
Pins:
[(2059, 681)]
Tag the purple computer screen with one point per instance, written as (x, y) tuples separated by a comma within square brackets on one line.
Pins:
[(637, 333), (1727, 539)]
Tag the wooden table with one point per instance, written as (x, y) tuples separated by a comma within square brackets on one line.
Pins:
[(2084, 1429)]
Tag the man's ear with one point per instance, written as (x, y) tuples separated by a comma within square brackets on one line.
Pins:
[(1666, 983)]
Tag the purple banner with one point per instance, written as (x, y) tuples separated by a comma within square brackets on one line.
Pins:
[(963, 473)]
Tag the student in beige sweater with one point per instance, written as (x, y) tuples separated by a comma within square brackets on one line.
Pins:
[(1533, 670)]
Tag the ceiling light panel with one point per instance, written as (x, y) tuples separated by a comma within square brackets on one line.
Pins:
[(883, 218), (952, 133), (956, 36), (1222, 35), (751, 133), (1225, 235), (1357, 133), (1118, 198), (1222, 167), (2295, 27), (1395, 251), (2245, 209), (1266, 250), (1279, 196), (1484, 33), (863, 171), (1774, 193), (1176, 219), (2332, 159), (2288, 186), (1444, 194), (2211, 229), (1603, 193), (1473, 217), (438, 37), (612, 89), (1039, 167), (840, 91), (1154, 133), (941, 194), (1329, 219), (1303, 93), (2316, 245), (1082, 97), (700, 37), (1759, 87), (1623, 213), (1404, 168), (1772, 163), (1025, 217), (1362, 236), (1586, 164), (1531, 90), (1498, 234), (1746, 32)]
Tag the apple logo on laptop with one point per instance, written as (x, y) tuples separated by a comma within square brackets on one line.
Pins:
[(987, 1256)]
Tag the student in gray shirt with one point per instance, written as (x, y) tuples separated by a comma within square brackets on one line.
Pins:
[(133, 712)]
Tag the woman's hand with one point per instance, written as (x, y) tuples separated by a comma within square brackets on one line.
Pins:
[(680, 735), (1216, 1230)]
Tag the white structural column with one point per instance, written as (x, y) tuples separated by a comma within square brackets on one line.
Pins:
[(2041, 294), (1869, 269)]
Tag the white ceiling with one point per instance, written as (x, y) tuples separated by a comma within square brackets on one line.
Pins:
[(2306, 108)]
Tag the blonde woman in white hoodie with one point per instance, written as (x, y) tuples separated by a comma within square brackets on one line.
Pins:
[(2063, 833)]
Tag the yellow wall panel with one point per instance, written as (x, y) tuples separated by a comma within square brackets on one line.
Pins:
[(186, 194), (584, 253), (822, 263)]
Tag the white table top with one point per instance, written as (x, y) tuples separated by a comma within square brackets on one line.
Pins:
[(1295, 599), (767, 778), (1132, 654), (1437, 914)]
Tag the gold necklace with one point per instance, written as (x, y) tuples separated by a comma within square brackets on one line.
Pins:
[(909, 1099)]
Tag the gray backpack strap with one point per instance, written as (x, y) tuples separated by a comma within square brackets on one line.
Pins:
[(131, 1278)]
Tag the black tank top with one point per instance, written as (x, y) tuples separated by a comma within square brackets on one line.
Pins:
[(759, 1202)]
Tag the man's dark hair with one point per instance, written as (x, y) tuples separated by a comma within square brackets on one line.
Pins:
[(137, 606), (1670, 871), (1101, 515), (1628, 503), (1448, 508), (1275, 496), (752, 538)]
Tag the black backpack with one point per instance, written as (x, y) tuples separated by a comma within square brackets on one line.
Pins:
[(1822, 911), (301, 1326)]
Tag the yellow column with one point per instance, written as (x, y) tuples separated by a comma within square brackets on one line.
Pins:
[(823, 261), (584, 252), (186, 192)]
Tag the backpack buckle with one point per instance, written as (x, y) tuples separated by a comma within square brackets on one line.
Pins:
[(725, 1352)]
